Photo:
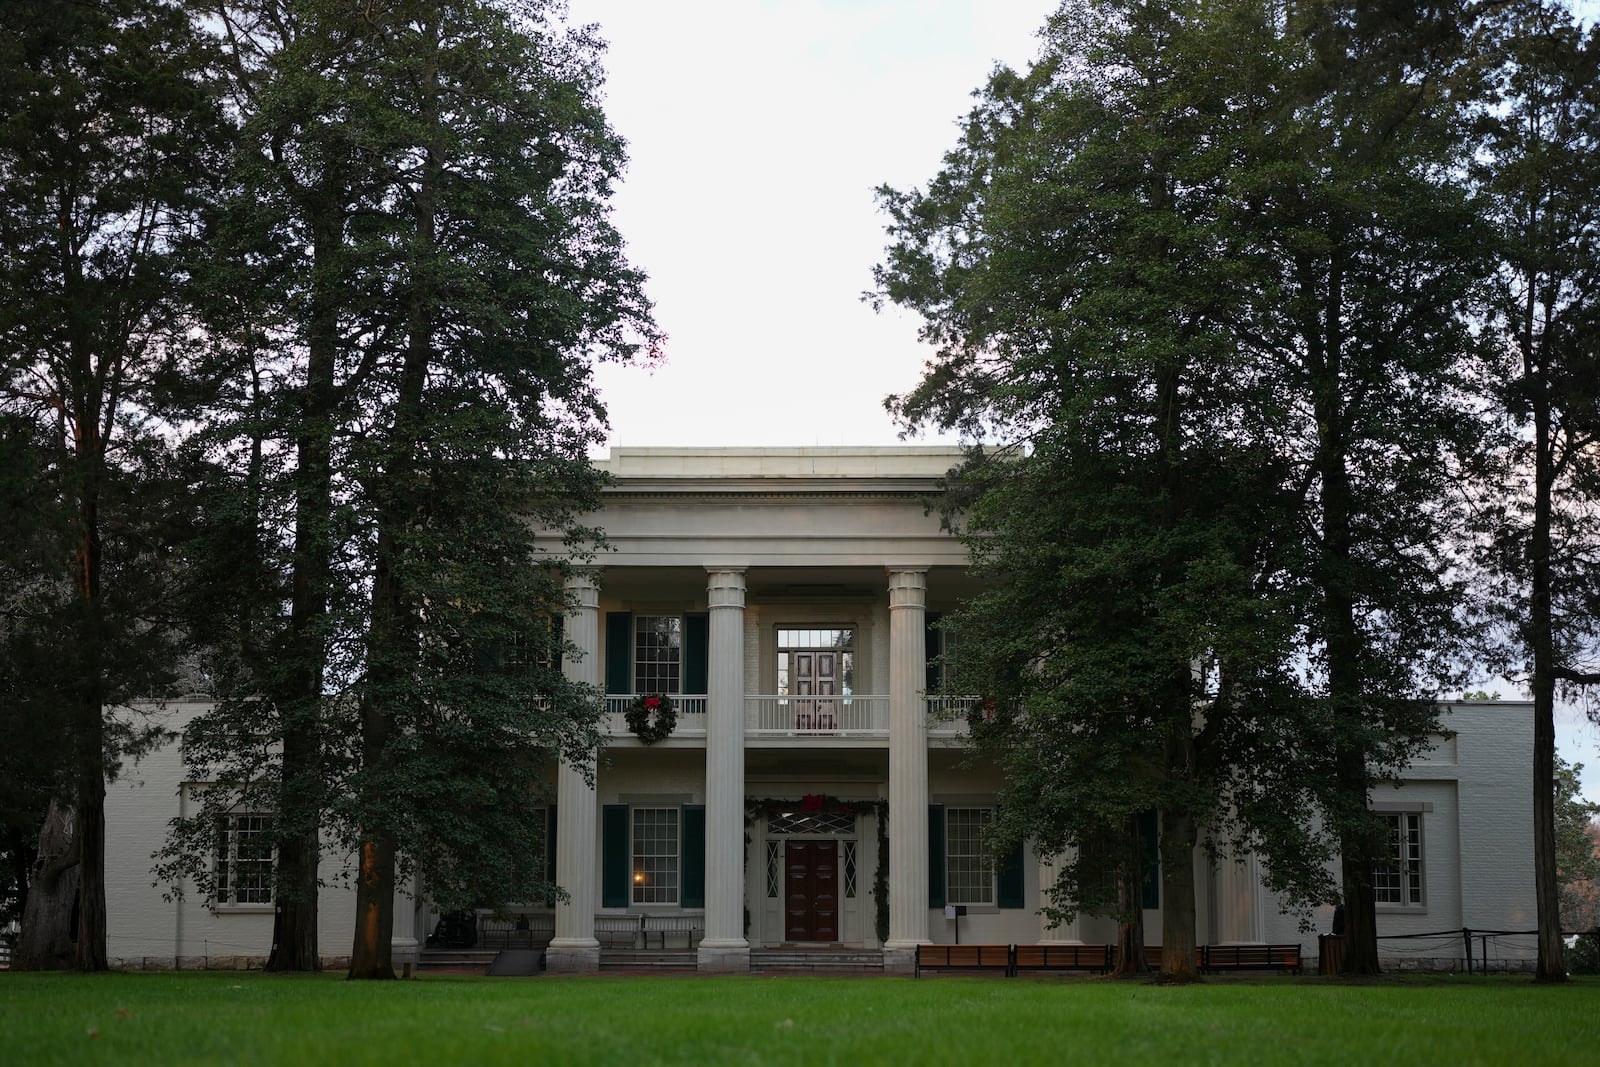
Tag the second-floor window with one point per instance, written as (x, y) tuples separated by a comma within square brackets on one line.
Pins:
[(657, 654)]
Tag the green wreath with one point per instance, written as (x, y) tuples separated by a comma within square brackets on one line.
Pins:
[(651, 717)]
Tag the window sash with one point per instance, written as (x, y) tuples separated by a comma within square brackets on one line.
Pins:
[(969, 869), (657, 654), (1398, 880), (244, 859), (656, 839)]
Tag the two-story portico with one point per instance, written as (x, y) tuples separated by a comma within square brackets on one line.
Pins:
[(785, 598)]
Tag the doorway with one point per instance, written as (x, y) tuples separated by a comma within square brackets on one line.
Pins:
[(811, 891)]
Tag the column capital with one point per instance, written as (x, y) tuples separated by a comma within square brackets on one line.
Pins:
[(584, 589), (908, 587), (725, 587)]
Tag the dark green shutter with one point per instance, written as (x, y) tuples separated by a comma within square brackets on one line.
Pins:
[(935, 855), (614, 856), (696, 649), (1149, 860), (931, 648), (558, 634), (619, 652), (693, 855), (1009, 877)]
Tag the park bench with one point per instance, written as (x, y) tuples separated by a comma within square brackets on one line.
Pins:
[(963, 958), (689, 928), (1097, 958), (1251, 958), (1152, 957)]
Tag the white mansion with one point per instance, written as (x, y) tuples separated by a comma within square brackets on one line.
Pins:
[(787, 599)]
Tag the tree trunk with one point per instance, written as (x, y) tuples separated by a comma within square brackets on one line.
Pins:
[(1551, 965), (372, 954), (299, 847), (1178, 837), (46, 941), (1130, 927)]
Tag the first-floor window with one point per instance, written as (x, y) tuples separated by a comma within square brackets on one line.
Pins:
[(655, 855), (244, 859), (1398, 880), (968, 866)]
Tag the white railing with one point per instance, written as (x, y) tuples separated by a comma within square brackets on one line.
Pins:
[(836, 716), (947, 715), (793, 716), (691, 709)]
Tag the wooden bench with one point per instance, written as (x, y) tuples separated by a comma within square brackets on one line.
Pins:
[(1097, 958), (963, 958), (1251, 958)]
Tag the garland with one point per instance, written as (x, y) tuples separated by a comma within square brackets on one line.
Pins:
[(652, 717)]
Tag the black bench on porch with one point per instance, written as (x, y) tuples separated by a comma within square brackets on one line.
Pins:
[(649, 931)]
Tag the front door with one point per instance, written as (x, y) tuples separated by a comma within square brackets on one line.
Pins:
[(811, 898)]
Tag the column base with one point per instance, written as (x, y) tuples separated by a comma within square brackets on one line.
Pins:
[(572, 956), (727, 957)]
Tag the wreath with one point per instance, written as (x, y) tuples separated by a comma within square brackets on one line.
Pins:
[(651, 717)]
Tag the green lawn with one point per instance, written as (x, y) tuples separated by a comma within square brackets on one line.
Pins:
[(222, 1017)]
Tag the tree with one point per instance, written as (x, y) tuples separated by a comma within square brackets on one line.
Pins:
[(1540, 176), (1365, 252), (110, 136), (1068, 262), (409, 437), (1577, 851)]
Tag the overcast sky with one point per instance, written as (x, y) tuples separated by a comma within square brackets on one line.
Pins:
[(757, 132)]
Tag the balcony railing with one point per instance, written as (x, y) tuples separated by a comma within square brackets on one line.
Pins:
[(775, 716), (835, 716)]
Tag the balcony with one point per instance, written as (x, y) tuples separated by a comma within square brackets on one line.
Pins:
[(779, 717)]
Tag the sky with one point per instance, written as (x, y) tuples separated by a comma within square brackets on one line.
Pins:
[(758, 131)]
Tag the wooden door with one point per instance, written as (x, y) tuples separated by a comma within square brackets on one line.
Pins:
[(811, 897), (815, 674)]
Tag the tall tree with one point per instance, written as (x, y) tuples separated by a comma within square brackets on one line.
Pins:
[(1070, 262), (109, 131), (511, 284), (1541, 173), (1352, 210)]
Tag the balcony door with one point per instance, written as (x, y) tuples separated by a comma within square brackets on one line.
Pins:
[(816, 670)]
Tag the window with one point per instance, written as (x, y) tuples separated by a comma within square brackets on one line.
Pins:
[(657, 654), (1399, 879), (244, 860), (969, 869), (655, 855)]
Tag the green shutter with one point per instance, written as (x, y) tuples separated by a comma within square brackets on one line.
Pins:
[(1009, 877), (935, 855), (693, 856), (696, 649), (558, 634), (615, 855), (1149, 860), (930, 648), (619, 652)]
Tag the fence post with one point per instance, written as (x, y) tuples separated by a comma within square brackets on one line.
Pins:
[(1466, 937)]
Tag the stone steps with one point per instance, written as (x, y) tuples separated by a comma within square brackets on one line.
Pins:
[(769, 959), (632, 957)]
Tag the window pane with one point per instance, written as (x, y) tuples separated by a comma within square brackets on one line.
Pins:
[(969, 870), (655, 855), (657, 653)]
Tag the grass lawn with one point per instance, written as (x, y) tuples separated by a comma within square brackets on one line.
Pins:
[(249, 1018)]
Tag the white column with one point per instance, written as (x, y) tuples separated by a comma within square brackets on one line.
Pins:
[(908, 768), (574, 947), (724, 947), (403, 945), (1064, 933), (1237, 900)]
